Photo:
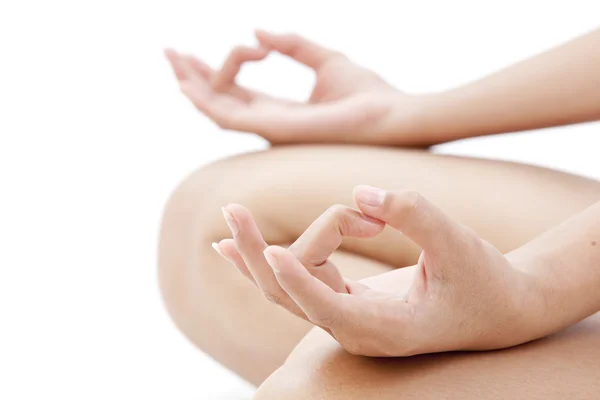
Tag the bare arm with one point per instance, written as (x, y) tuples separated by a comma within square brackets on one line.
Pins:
[(558, 87), (565, 263), (465, 294), (350, 104)]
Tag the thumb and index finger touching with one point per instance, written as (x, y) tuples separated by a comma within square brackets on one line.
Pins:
[(294, 46), (413, 215)]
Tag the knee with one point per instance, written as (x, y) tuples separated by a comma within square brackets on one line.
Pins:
[(194, 208), (191, 221)]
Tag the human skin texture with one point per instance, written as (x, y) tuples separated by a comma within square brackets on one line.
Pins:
[(506, 205), (350, 104), (465, 294), (287, 188)]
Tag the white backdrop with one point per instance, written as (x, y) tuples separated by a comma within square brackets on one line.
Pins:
[(94, 134)]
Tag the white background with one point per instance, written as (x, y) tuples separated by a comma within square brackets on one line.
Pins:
[(94, 134)]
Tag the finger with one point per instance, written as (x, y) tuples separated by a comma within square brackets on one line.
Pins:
[(326, 233), (226, 249), (296, 47), (414, 216), (242, 93), (321, 305), (251, 245), (220, 107), (176, 61), (193, 82), (239, 55), (208, 74), (189, 66), (200, 67)]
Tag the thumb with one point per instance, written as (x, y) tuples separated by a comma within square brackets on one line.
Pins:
[(296, 47), (418, 219), (327, 232)]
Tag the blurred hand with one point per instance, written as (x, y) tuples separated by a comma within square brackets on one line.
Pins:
[(465, 294), (348, 103)]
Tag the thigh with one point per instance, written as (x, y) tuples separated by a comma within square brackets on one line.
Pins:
[(506, 203), (286, 188), (564, 365)]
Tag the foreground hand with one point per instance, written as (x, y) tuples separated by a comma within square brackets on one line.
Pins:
[(348, 103), (465, 295)]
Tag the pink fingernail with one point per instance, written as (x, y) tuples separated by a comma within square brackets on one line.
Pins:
[(369, 195), (231, 222), (215, 246), (271, 259)]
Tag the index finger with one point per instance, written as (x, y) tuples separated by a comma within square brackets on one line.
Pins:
[(326, 233), (300, 49), (320, 303), (225, 78)]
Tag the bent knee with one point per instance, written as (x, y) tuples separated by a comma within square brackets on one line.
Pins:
[(194, 207), (192, 220)]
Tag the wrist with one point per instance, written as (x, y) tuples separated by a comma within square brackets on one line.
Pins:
[(532, 294), (414, 120), (547, 297)]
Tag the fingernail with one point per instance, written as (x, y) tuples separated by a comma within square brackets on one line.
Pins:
[(370, 195), (215, 246), (271, 259), (231, 222)]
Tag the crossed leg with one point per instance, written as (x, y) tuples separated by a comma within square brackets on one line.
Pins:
[(286, 189), (562, 366)]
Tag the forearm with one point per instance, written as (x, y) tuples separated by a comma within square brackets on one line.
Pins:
[(564, 264), (558, 87)]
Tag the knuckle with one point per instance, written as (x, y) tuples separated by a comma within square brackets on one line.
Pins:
[(323, 319), (293, 43), (408, 201), (472, 235), (341, 216), (238, 53), (471, 239), (274, 298), (337, 211), (476, 243), (238, 50), (411, 199)]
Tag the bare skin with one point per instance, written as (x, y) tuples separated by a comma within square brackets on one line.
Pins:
[(350, 104), (564, 365), (252, 336), (287, 188)]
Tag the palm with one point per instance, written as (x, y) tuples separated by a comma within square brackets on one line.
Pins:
[(346, 98)]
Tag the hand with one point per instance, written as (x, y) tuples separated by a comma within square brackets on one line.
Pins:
[(465, 294), (348, 104)]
